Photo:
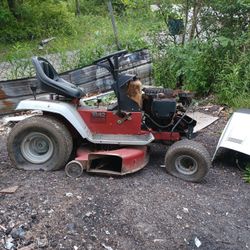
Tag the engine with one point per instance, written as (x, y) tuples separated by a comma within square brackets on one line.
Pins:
[(164, 110)]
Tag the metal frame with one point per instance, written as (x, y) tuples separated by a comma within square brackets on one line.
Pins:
[(236, 134), (71, 114)]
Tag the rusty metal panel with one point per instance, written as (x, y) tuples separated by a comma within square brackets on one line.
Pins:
[(91, 78), (83, 75), (16, 88)]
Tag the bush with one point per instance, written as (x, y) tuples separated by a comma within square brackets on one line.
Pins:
[(195, 61), (36, 19), (167, 67), (100, 8), (18, 58), (234, 78), (217, 66)]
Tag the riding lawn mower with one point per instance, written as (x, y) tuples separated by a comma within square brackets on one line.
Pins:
[(112, 140)]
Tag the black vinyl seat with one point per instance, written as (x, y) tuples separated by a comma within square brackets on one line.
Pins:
[(50, 81)]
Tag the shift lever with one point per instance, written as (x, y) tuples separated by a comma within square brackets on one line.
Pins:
[(33, 88)]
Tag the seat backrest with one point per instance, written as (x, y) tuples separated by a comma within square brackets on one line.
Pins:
[(50, 81), (44, 68), (48, 70)]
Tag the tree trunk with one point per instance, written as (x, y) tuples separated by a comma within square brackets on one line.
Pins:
[(78, 11), (196, 11), (186, 22), (13, 6)]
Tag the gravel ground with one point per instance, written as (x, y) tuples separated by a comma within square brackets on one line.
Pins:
[(145, 210)]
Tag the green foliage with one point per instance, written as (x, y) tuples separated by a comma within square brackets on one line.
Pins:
[(233, 83), (168, 66), (36, 19), (231, 16), (219, 62), (93, 7), (136, 4), (246, 176), (97, 39), (200, 67), (194, 60), (8, 24), (93, 38), (97, 7), (220, 66), (17, 58)]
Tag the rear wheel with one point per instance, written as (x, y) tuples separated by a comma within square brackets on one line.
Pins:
[(39, 143), (188, 160)]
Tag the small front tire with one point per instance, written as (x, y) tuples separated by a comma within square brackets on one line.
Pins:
[(188, 160)]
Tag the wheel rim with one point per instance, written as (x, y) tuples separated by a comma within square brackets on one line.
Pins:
[(37, 148), (74, 169), (186, 165)]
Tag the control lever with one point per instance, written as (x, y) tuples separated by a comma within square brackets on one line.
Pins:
[(33, 88), (126, 117)]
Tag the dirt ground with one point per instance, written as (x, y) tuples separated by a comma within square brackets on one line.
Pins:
[(146, 210)]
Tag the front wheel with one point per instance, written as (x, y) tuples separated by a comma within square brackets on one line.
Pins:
[(188, 160), (39, 143)]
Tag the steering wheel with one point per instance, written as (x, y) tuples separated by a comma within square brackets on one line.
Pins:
[(115, 54)]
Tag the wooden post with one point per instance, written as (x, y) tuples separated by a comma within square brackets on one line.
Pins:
[(186, 22), (114, 25), (196, 10)]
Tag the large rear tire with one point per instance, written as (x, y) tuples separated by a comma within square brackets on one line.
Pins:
[(39, 143), (188, 160)]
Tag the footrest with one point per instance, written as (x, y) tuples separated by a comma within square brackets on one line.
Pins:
[(122, 139)]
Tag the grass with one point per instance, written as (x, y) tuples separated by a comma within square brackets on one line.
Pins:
[(246, 175), (93, 33), (237, 102), (241, 101), (93, 37)]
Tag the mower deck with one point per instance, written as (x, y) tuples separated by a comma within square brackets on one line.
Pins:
[(119, 161)]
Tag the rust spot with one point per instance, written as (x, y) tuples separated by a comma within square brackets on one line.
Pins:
[(2, 94), (8, 104)]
